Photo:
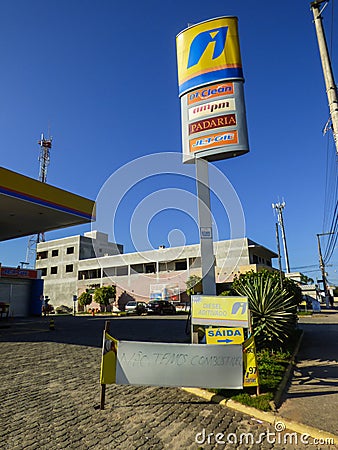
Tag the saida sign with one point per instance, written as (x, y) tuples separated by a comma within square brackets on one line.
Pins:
[(224, 335)]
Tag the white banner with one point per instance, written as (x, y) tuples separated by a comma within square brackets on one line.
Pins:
[(188, 365), (212, 108)]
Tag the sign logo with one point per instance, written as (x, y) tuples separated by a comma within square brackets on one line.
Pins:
[(203, 40), (207, 109), (215, 122), (218, 90), (213, 140), (208, 52)]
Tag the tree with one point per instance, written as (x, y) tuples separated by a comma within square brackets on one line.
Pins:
[(104, 294), (305, 279), (194, 284), (273, 309), (84, 299)]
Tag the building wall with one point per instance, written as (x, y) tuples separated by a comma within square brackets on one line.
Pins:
[(135, 273), (95, 244), (22, 290), (58, 262), (17, 294)]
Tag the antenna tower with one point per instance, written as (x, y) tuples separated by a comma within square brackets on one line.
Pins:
[(279, 208), (44, 159)]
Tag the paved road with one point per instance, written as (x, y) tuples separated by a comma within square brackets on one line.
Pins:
[(312, 397), (50, 390)]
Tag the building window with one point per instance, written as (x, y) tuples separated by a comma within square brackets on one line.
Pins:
[(254, 259), (151, 268), (54, 270), (122, 270), (181, 265), (43, 271), (70, 250), (69, 268), (42, 255), (87, 274), (55, 252), (137, 268)]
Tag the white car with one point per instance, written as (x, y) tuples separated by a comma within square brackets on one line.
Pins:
[(134, 307)]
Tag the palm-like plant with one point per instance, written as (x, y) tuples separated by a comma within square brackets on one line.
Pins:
[(273, 309)]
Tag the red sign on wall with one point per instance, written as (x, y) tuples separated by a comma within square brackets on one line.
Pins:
[(12, 272)]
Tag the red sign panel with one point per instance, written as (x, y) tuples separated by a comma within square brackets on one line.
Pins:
[(11, 272), (227, 120)]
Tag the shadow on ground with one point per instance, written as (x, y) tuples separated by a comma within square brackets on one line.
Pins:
[(88, 330)]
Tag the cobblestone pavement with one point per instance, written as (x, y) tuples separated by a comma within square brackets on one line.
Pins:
[(50, 395)]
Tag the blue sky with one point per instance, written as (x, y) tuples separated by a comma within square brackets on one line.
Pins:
[(103, 76)]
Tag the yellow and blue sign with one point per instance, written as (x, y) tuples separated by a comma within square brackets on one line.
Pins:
[(219, 311), (224, 335), (208, 52), (250, 363)]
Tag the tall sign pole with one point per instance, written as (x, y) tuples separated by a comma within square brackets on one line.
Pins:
[(205, 227), (210, 80), (331, 89)]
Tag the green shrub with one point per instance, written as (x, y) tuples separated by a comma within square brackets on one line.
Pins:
[(273, 308)]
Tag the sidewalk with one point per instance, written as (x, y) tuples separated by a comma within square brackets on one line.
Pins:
[(312, 396)]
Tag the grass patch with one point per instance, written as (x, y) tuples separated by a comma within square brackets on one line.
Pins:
[(261, 402), (305, 313)]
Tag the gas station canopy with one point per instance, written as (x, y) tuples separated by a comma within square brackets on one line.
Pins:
[(29, 206)]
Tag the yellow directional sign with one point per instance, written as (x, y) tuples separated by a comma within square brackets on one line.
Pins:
[(224, 335)]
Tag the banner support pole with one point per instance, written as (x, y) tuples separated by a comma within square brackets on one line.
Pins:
[(103, 386)]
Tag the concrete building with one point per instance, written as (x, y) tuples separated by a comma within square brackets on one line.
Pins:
[(69, 266), (58, 262)]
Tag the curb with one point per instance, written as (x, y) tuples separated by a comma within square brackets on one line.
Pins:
[(276, 402), (269, 417)]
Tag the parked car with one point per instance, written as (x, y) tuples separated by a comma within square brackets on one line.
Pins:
[(63, 309), (161, 307), (134, 307)]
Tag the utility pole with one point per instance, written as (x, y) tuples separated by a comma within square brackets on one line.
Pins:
[(321, 263), (279, 256), (279, 207), (331, 89)]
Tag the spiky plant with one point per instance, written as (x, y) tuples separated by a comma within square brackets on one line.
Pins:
[(273, 309)]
